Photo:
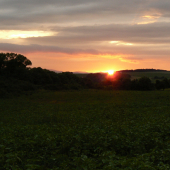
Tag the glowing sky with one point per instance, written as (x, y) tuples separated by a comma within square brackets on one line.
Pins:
[(88, 35)]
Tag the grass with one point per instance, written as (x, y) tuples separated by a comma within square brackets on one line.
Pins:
[(87, 129)]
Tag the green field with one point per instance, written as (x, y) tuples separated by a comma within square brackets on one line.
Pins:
[(86, 130), (151, 75)]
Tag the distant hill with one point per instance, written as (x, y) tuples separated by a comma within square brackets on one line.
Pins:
[(75, 72), (144, 70)]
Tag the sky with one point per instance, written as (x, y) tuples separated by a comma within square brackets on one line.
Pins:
[(88, 35)]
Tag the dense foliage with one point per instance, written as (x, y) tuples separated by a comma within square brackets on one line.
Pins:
[(16, 77), (123, 81), (91, 129)]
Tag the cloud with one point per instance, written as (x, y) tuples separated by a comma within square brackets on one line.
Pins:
[(15, 34), (154, 33), (130, 60), (87, 28), (19, 12), (38, 48)]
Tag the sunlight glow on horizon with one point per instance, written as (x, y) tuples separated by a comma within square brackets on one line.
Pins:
[(110, 72)]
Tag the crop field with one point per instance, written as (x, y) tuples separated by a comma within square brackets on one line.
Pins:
[(86, 130)]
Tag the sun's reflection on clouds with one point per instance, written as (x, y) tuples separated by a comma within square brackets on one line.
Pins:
[(12, 34)]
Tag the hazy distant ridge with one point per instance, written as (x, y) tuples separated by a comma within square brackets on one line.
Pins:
[(144, 70)]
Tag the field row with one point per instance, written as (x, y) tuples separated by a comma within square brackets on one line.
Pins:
[(87, 129)]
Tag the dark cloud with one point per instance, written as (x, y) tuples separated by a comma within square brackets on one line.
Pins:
[(144, 51), (85, 26), (155, 33), (38, 48), (39, 11)]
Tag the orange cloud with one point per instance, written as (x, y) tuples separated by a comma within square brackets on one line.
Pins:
[(15, 34), (150, 17), (120, 43), (154, 16), (146, 22), (129, 60)]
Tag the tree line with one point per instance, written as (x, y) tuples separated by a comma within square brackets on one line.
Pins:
[(123, 81), (17, 77)]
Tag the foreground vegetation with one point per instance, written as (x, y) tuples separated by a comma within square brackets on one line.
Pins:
[(86, 130)]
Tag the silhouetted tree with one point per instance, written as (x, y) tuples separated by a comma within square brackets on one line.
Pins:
[(158, 85), (11, 62), (162, 84), (145, 84), (166, 83)]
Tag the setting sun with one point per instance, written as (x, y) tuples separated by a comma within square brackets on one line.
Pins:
[(110, 72)]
